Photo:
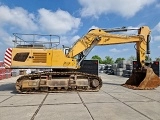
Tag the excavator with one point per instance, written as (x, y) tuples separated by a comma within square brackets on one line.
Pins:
[(63, 64)]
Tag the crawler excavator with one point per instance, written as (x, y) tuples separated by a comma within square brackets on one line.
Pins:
[(65, 63)]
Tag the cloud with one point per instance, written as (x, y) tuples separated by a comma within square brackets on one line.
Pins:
[(74, 38), (59, 22), (157, 28), (158, 5), (17, 17), (14, 20), (68, 41), (156, 38), (125, 8), (93, 27), (6, 39), (20, 20), (155, 33), (115, 50)]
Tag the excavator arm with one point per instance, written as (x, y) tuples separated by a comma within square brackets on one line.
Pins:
[(99, 37)]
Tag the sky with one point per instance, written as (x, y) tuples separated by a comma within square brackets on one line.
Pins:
[(71, 19)]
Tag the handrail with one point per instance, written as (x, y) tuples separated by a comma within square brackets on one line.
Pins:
[(36, 40)]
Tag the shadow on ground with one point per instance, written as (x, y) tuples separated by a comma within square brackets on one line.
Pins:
[(112, 83), (8, 87)]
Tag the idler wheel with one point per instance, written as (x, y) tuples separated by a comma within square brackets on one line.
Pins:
[(95, 83)]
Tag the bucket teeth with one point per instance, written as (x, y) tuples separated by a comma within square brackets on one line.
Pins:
[(143, 79)]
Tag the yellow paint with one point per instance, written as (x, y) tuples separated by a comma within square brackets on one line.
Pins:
[(55, 58)]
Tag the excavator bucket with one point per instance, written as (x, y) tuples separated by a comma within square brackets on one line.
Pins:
[(143, 79)]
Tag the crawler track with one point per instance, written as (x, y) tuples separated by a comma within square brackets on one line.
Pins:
[(58, 82)]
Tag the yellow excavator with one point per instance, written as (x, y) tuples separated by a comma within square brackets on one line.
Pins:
[(64, 64)]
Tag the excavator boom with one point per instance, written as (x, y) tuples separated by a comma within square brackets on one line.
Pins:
[(99, 37)]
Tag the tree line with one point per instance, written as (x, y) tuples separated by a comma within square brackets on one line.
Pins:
[(110, 60)]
